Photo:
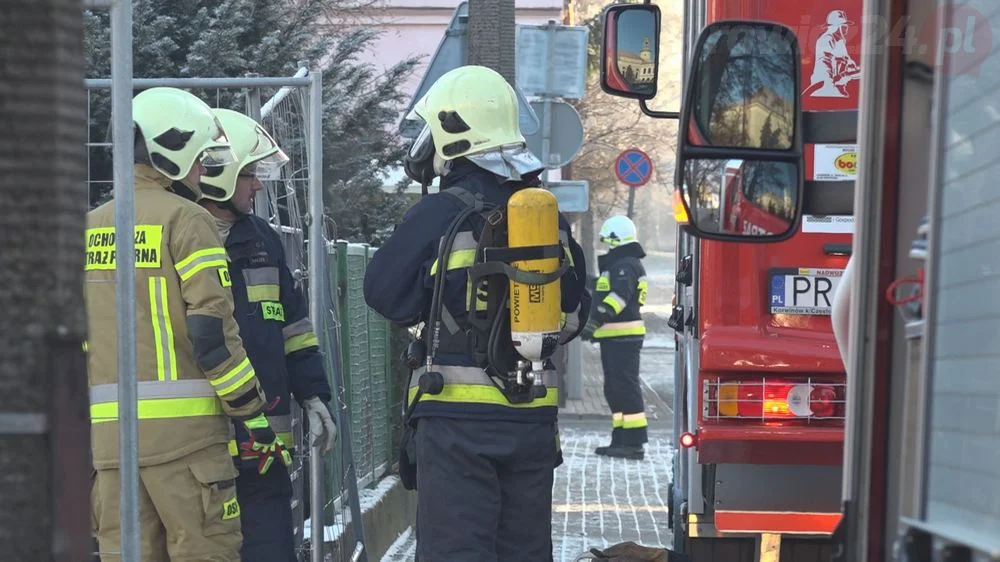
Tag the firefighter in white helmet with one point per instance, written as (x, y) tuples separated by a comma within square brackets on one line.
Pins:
[(484, 464), (273, 314), (194, 375), (616, 323)]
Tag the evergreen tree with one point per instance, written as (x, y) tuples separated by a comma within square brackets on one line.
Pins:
[(231, 38), (768, 135)]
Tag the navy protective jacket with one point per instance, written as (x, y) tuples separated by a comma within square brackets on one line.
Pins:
[(273, 317), (399, 286)]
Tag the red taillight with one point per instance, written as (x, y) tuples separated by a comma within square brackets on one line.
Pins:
[(774, 399), (688, 440), (823, 401)]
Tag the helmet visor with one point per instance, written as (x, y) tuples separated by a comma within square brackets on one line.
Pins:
[(269, 167), (422, 147), (218, 156)]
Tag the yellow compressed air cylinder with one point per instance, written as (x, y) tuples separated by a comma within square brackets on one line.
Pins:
[(533, 220)]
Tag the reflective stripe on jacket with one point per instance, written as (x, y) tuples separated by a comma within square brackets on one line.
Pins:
[(619, 294), (399, 282), (191, 366)]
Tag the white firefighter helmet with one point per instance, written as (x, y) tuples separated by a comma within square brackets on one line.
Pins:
[(617, 231), (179, 129), (251, 146), (472, 112), (836, 18)]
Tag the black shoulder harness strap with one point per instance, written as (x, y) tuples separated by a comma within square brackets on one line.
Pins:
[(488, 331)]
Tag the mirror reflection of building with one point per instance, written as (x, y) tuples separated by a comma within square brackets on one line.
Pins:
[(764, 119), (637, 68)]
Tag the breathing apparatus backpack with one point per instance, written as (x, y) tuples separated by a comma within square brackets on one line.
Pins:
[(514, 311)]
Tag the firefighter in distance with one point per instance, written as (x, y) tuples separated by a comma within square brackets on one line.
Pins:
[(616, 323)]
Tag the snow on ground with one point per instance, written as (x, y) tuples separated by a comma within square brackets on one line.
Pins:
[(368, 498), (598, 501), (404, 549)]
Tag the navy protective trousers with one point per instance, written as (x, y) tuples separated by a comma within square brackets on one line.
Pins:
[(266, 515), (622, 387), (484, 490)]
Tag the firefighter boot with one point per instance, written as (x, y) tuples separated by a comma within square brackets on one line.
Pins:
[(637, 453), (616, 441)]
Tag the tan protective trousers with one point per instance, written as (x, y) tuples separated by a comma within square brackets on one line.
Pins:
[(187, 510)]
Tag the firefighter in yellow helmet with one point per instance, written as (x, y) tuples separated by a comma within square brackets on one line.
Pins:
[(194, 375), (616, 323), (272, 313), (483, 464)]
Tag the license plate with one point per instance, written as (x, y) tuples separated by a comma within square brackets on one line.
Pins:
[(803, 291)]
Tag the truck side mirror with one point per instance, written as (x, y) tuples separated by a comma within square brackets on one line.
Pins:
[(630, 50), (740, 155)]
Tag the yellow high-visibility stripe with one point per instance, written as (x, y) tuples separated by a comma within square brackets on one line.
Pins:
[(200, 260), (483, 394), (634, 421), (266, 292), (603, 283), (471, 384), (301, 341), (163, 333), (161, 408), (616, 419), (619, 329), (242, 373), (457, 260), (615, 302)]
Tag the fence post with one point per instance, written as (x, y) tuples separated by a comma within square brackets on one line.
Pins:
[(378, 352), (124, 186)]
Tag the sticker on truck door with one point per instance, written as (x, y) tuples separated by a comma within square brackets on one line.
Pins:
[(833, 66), (835, 162), (828, 224)]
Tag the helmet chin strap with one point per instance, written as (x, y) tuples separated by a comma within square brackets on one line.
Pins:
[(228, 205), (180, 187)]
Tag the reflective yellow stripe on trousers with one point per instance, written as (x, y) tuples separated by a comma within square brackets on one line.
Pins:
[(470, 385), (158, 400)]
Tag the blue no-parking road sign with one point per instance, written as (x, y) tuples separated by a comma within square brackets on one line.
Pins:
[(634, 167)]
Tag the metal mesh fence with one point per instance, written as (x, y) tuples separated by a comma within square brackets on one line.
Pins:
[(365, 344)]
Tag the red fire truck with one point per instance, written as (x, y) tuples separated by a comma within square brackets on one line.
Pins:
[(921, 482), (747, 206), (760, 385)]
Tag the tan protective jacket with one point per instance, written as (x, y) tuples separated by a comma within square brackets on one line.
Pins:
[(192, 369)]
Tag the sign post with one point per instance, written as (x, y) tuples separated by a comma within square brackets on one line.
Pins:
[(551, 62), (634, 168)]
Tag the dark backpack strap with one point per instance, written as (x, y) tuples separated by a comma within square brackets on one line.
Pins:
[(464, 196)]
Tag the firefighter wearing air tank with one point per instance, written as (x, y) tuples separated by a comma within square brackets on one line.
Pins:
[(489, 267), (616, 323)]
